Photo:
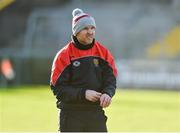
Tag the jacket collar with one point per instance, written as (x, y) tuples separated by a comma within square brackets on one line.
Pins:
[(81, 46)]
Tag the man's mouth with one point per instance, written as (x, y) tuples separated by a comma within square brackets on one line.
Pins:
[(90, 37)]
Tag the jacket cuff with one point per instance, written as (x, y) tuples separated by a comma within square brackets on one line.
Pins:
[(107, 92), (83, 95)]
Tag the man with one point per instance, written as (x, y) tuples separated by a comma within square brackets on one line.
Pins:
[(83, 78)]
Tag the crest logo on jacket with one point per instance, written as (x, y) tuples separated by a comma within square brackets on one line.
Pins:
[(76, 63), (96, 62)]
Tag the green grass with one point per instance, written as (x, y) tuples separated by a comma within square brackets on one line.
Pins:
[(34, 109)]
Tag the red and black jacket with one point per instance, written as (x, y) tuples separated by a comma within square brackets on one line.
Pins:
[(79, 67)]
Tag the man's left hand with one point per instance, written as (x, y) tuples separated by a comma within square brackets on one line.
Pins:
[(105, 100)]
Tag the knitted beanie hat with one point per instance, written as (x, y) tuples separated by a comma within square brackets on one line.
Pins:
[(81, 20)]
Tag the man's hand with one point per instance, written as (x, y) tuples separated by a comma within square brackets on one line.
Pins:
[(105, 100), (92, 95)]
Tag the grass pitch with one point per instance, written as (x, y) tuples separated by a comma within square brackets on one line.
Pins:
[(33, 108)]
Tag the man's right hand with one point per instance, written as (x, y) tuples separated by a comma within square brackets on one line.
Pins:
[(92, 95)]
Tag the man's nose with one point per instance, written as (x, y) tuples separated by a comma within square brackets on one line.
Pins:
[(90, 31)]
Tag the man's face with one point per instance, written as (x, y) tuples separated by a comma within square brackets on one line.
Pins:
[(86, 35)]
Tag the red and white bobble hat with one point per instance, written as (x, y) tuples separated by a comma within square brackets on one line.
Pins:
[(81, 20)]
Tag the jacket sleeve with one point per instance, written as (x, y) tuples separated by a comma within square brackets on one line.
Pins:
[(60, 80), (109, 75)]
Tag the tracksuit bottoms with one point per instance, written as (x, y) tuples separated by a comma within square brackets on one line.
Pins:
[(82, 121)]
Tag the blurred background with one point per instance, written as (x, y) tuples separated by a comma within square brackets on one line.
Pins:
[(143, 36)]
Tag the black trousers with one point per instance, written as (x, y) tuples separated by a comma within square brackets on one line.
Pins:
[(82, 121)]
